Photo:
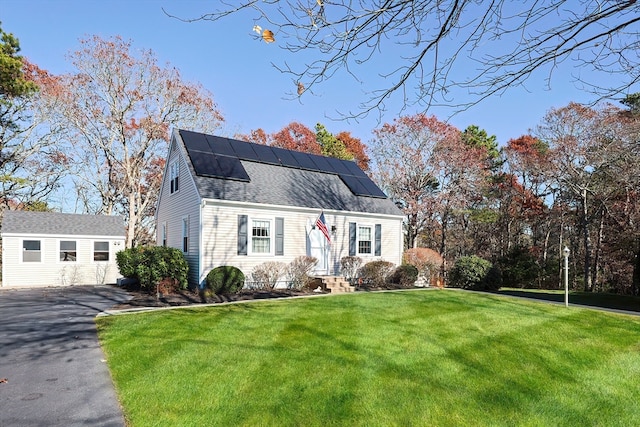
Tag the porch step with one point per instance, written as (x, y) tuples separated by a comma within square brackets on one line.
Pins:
[(337, 285)]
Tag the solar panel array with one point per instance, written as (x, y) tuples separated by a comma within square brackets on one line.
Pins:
[(218, 157)]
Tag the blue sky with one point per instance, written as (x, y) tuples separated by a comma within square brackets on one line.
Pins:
[(226, 59)]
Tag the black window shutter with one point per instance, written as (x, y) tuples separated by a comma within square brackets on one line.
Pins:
[(279, 236), (352, 239), (378, 239), (242, 234)]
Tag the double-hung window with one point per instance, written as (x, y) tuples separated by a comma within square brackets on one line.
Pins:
[(68, 252), (31, 251), (185, 234), (164, 234), (365, 239), (260, 236), (174, 174), (101, 251)]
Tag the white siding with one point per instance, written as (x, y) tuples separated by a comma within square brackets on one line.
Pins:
[(50, 271), (220, 240), (172, 208)]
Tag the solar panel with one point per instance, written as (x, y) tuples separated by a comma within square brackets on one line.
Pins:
[(304, 160), (354, 169), (266, 155), (354, 185), (219, 145), (195, 141), (207, 164), (232, 168), (219, 157), (323, 164), (372, 189), (244, 150), (339, 166), (362, 186), (286, 158)]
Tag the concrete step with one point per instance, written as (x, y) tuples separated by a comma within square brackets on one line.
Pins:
[(337, 285)]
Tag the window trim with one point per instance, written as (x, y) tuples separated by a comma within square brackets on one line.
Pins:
[(93, 251), (185, 234), (271, 222), (41, 244), (163, 237), (174, 175), (371, 239), (60, 251)]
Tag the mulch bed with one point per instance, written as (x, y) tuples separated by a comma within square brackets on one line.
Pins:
[(176, 298)]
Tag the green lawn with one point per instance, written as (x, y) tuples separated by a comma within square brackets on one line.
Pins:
[(412, 358)]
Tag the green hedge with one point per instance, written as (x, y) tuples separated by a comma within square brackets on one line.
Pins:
[(152, 264), (473, 272), (225, 279)]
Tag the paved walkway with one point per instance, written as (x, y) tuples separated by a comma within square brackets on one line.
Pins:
[(50, 357)]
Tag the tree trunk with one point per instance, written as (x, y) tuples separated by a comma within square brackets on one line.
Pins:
[(586, 236), (597, 255), (635, 285), (133, 220)]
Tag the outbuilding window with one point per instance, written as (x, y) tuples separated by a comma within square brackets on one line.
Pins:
[(101, 251), (68, 251), (31, 251)]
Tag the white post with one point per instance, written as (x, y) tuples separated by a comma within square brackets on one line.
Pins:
[(566, 276)]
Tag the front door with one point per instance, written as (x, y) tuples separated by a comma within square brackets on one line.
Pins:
[(318, 248)]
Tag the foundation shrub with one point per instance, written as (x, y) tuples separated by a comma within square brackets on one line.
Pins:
[(404, 276), (298, 271), (225, 279), (374, 274)]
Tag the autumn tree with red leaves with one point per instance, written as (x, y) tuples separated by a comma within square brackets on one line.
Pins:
[(298, 137), (118, 108), (356, 148)]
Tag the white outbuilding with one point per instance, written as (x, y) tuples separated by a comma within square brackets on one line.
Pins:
[(60, 249)]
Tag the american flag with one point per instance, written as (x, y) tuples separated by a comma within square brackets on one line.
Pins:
[(322, 226)]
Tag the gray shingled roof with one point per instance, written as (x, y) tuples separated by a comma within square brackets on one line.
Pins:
[(278, 185), (53, 223)]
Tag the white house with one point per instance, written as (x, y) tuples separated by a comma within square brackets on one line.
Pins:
[(229, 202), (59, 249)]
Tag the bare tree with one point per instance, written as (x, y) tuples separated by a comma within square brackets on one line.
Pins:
[(450, 48), (118, 110)]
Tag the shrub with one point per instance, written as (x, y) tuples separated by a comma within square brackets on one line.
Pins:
[(427, 261), (374, 273), (154, 264), (225, 279), (128, 261), (298, 271), (519, 268), (473, 272), (349, 266), (404, 275), (267, 274)]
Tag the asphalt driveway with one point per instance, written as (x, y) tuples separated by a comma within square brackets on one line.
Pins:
[(52, 369)]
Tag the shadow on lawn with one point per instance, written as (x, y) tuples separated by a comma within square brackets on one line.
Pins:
[(610, 301)]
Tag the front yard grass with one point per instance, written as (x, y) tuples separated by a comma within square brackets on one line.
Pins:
[(445, 358)]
